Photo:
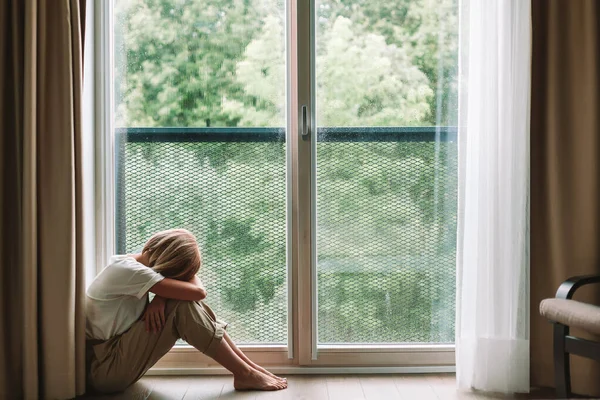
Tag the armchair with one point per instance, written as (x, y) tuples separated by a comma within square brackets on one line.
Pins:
[(565, 312)]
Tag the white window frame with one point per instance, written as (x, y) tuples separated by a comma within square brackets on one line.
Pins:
[(105, 154), (303, 355)]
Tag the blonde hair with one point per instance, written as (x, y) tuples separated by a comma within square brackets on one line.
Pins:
[(174, 253)]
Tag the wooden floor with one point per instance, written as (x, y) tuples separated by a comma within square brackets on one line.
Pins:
[(310, 387)]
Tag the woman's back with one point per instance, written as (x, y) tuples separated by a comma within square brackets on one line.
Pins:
[(117, 297)]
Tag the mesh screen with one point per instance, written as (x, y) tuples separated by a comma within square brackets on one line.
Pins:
[(386, 242), (232, 197), (385, 237)]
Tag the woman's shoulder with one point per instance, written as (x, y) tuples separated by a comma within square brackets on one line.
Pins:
[(120, 272), (119, 258), (118, 264), (124, 260)]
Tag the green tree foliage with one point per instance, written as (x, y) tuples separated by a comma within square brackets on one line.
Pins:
[(425, 30), (261, 73), (222, 63), (377, 85), (176, 60), (362, 80)]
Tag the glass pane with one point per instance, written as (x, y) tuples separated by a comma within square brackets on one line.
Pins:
[(199, 114), (386, 170)]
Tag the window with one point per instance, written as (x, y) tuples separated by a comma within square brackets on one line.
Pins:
[(311, 147), (200, 120), (385, 180)]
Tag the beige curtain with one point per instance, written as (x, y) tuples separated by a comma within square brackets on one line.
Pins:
[(565, 169), (41, 270)]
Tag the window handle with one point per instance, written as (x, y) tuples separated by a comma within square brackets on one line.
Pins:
[(305, 127)]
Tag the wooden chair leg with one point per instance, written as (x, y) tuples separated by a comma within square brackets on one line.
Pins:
[(562, 369)]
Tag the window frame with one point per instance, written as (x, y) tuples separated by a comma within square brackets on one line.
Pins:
[(105, 154), (301, 355)]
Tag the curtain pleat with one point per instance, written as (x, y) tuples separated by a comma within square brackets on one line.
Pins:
[(565, 170), (41, 243), (11, 101), (492, 335)]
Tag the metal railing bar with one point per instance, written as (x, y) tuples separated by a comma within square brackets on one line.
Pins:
[(330, 134)]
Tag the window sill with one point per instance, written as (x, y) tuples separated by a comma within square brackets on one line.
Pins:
[(395, 359)]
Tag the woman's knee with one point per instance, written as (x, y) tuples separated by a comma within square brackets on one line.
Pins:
[(171, 305), (195, 308), (197, 325)]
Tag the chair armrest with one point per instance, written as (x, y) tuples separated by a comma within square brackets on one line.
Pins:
[(568, 287)]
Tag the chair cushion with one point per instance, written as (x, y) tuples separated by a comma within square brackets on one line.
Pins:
[(572, 313)]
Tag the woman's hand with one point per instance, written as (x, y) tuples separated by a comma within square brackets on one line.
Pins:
[(154, 316)]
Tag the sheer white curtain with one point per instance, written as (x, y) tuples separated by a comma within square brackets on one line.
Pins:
[(492, 330)]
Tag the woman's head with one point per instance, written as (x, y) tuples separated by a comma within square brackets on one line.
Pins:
[(174, 254)]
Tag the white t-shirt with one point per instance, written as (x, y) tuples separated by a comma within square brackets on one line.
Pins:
[(117, 297)]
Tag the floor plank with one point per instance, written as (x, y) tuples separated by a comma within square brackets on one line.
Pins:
[(229, 392), (379, 387), (206, 387), (444, 387), (140, 390), (415, 387), (344, 388), (306, 387), (169, 388)]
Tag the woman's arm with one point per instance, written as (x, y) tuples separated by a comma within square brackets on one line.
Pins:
[(196, 281), (179, 290)]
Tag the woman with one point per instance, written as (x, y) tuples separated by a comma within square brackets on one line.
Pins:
[(126, 335)]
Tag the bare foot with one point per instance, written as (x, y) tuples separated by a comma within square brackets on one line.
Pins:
[(256, 380), (264, 371)]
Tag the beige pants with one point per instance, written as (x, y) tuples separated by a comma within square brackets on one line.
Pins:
[(122, 360)]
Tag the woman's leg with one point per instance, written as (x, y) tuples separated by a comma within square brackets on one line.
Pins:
[(124, 359), (196, 324), (244, 376), (247, 360)]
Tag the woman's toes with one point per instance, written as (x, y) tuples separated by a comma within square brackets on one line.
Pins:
[(256, 380)]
